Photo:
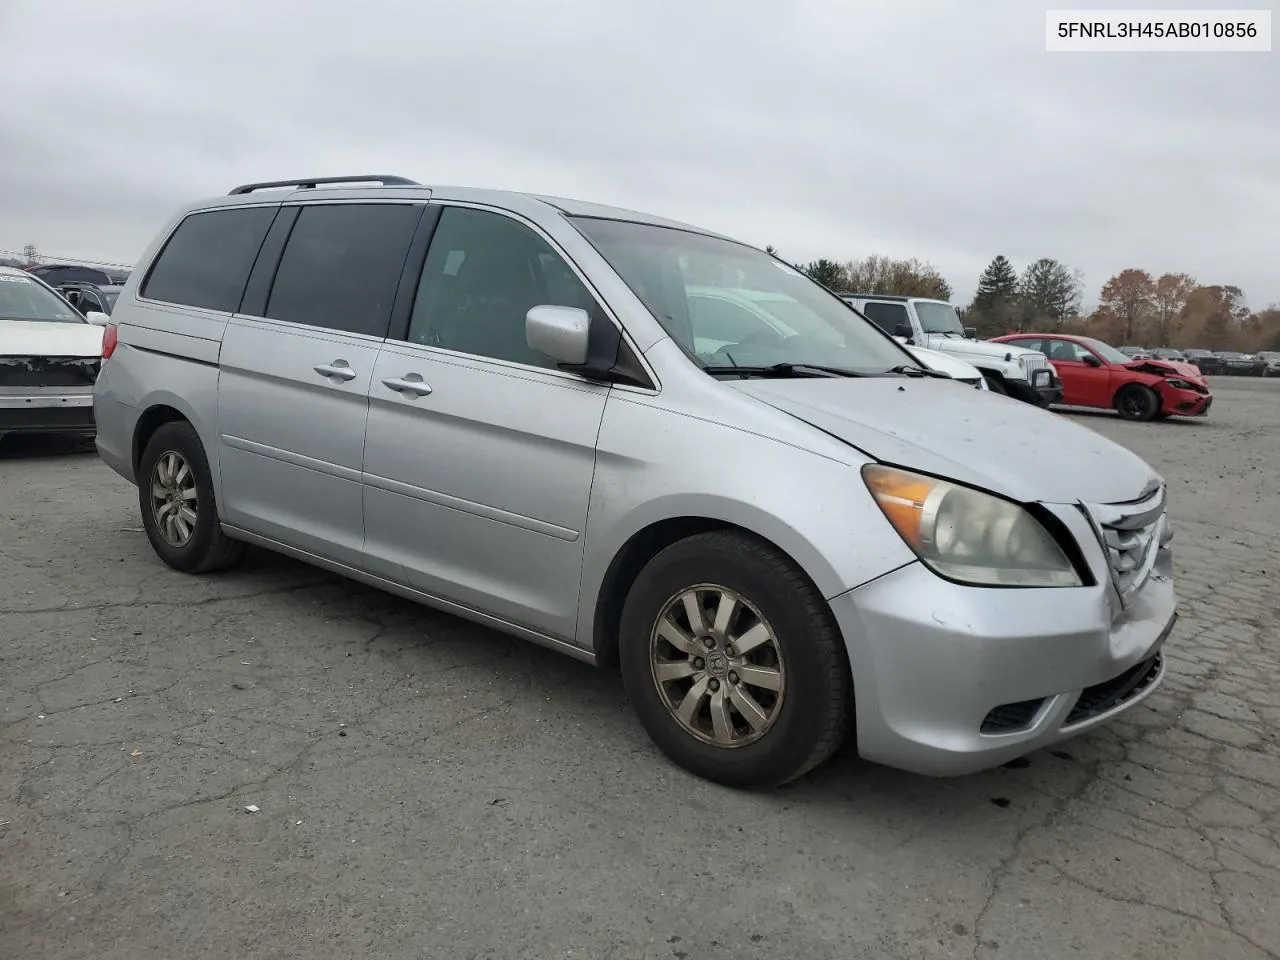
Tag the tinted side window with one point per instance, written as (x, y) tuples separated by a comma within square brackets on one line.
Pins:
[(1037, 345), (206, 262), (886, 316), (341, 266), (483, 273)]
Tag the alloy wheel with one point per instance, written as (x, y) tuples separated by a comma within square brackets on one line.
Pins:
[(173, 498), (717, 665)]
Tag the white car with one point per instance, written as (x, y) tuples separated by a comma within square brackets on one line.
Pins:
[(956, 368), (49, 358)]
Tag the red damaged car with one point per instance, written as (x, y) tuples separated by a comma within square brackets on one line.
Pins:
[(1095, 374)]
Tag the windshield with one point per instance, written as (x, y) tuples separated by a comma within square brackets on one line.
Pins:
[(729, 305), (938, 318), (1106, 351), (24, 298)]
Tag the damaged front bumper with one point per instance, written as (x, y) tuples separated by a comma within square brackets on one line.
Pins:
[(47, 394)]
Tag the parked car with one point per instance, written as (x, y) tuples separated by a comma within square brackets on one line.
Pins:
[(721, 317), (935, 325), (56, 274), (1168, 353), (1206, 361), (1095, 374), (1272, 360), (49, 357), (91, 297), (1136, 353), (1241, 364), (497, 404)]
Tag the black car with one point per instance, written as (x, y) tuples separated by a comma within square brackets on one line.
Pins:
[(57, 274), (1242, 364), (91, 296), (1272, 360), (1208, 361), (1168, 353)]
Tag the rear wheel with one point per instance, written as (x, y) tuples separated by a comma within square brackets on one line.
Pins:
[(175, 496), (1136, 402), (734, 663)]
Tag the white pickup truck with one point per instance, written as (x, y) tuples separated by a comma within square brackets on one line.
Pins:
[(935, 325)]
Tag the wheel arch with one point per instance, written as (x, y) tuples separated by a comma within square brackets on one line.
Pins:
[(151, 420), (1148, 381), (644, 544)]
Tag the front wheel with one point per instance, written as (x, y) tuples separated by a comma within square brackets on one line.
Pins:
[(734, 663), (1137, 403), (995, 384)]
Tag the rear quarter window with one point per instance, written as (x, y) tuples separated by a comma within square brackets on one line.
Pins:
[(206, 262)]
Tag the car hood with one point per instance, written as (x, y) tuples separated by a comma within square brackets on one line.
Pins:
[(1180, 367), (983, 439), (953, 366), (976, 348), (29, 338)]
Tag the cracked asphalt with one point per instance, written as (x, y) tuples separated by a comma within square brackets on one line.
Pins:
[(426, 788)]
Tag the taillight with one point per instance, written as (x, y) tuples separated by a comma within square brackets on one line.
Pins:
[(108, 340)]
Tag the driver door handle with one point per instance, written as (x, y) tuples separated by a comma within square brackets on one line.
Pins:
[(339, 370), (410, 383)]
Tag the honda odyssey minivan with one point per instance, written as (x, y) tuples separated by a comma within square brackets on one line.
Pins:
[(506, 406)]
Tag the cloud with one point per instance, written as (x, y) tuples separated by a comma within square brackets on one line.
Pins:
[(922, 128)]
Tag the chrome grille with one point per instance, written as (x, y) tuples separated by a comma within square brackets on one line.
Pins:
[(1131, 535), (1034, 361), (1032, 364)]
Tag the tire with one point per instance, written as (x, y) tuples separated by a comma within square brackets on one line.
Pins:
[(799, 726), (995, 384), (1136, 402), (205, 548)]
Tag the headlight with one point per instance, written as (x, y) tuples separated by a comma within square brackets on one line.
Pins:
[(1180, 384), (969, 536)]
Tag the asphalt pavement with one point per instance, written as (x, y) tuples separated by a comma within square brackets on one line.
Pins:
[(276, 763)]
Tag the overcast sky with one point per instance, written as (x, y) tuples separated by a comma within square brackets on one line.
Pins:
[(839, 128)]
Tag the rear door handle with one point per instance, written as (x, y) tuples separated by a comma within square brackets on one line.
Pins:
[(339, 370), (410, 383)]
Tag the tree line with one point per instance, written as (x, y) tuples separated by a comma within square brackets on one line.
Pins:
[(1135, 307)]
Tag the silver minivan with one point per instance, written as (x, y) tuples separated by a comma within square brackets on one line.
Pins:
[(536, 413)]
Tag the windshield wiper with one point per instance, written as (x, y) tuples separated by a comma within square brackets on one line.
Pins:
[(786, 370), (908, 370)]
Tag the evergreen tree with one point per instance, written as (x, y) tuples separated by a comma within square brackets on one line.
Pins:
[(997, 286)]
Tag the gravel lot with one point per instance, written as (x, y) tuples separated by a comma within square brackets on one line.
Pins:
[(429, 789)]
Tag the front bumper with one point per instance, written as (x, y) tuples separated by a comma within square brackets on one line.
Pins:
[(1044, 392), (951, 679), (1187, 403), (46, 410)]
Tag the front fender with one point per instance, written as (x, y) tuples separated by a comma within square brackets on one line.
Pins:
[(655, 464)]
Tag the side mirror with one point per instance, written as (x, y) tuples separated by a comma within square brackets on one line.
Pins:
[(1091, 361), (903, 329), (971, 333), (97, 318), (561, 333)]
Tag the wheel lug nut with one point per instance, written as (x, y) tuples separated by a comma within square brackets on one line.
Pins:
[(708, 642), (730, 650), (698, 663)]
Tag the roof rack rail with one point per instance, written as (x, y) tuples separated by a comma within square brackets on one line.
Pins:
[(311, 183)]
